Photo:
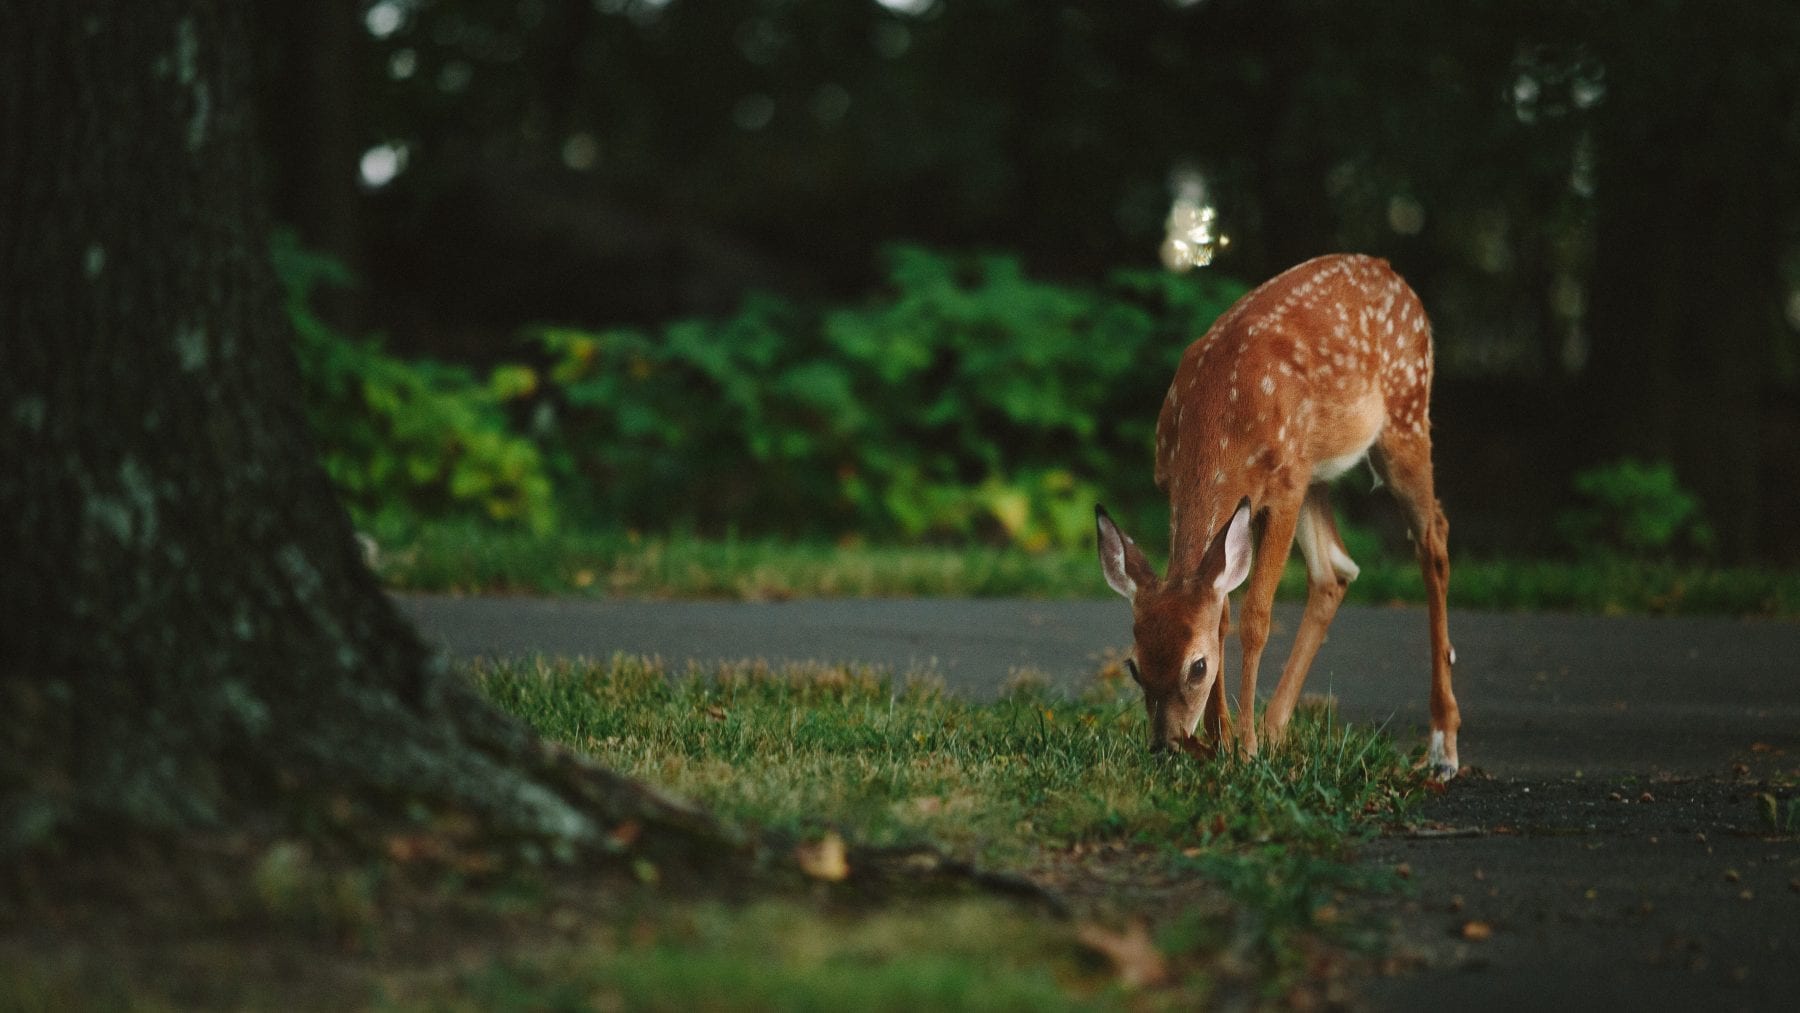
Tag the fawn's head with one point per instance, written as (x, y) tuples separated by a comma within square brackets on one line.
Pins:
[(1175, 623)]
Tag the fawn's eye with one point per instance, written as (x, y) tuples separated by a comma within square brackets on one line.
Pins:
[(1197, 670), (1136, 676)]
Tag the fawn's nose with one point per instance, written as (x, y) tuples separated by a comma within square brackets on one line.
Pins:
[(1167, 743)]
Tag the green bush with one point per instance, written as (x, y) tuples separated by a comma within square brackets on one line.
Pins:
[(968, 401), (1634, 509), (409, 441)]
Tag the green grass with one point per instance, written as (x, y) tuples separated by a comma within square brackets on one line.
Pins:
[(1237, 866), (803, 748), (476, 560), (473, 560), (781, 955), (1186, 884)]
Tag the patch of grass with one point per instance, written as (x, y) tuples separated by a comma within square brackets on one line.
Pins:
[(802, 748), (1238, 865), (1619, 586), (1187, 884), (1770, 809), (782, 955), (475, 560)]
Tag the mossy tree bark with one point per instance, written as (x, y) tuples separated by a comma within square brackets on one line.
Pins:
[(189, 635)]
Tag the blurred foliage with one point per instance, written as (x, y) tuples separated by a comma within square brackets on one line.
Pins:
[(1607, 203), (1635, 509), (969, 400), (408, 441)]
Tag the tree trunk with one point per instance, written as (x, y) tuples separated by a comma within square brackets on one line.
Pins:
[(190, 636)]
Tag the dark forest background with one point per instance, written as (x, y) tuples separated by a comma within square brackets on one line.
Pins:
[(1599, 202)]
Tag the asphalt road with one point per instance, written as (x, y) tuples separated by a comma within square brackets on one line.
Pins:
[(1605, 848)]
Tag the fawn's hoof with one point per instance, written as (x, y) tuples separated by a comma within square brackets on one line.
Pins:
[(1440, 758)]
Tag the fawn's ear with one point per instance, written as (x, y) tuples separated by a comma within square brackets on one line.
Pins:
[(1227, 560), (1123, 563)]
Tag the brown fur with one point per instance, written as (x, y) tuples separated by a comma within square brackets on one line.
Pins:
[(1320, 365)]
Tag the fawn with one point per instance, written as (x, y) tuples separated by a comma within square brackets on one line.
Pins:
[(1316, 369)]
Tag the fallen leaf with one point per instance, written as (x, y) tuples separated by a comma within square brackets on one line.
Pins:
[(414, 847), (1477, 931), (824, 859), (626, 834), (475, 863), (1133, 955)]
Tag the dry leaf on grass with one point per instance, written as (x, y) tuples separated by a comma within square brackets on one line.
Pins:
[(1133, 955), (824, 859)]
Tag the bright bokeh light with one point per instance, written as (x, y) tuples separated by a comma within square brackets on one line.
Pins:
[(382, 163), (384, 18), (913, 8), (1193, 237), (640, 10)]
